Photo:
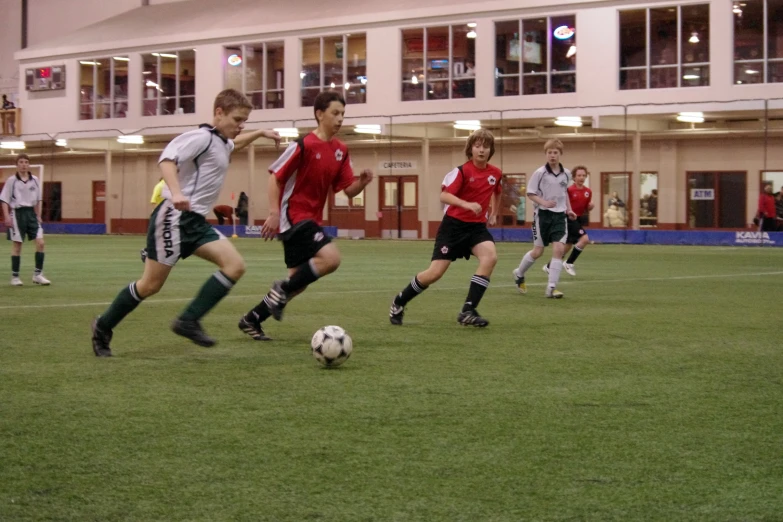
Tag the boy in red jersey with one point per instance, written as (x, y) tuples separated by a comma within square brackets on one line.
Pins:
[(298, 187), (581, 198), (471, 194)]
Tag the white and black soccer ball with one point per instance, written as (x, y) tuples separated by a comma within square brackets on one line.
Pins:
[(331, 346)]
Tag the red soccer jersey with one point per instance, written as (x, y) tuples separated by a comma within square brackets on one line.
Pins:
[(580, 198), (473, 185), (307, 169)]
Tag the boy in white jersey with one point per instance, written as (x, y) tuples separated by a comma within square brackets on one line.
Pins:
[(21, 202), (548, 189), (194, 166)]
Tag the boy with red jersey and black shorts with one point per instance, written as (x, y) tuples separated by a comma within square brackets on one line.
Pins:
[(298, 187), (470, 193), (581, 198)]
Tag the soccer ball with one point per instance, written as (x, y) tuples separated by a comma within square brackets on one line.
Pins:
[(331, 346)]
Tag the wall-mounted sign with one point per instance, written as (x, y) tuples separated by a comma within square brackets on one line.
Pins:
[(563, 32), (702, 194), (397, 165), (235, 60), (45, 78)]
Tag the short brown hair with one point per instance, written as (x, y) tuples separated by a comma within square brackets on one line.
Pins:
[(485, 137), (324, 100), (22, 156), (578, 168), (554, 143), (230, 99)]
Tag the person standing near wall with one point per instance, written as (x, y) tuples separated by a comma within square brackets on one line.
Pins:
[(767, 212)]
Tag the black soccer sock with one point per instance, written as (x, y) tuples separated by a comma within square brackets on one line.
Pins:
[(478, 285), (216, 288), (125, 302), (16, 261), (305, 275), (39, 259), (413, 289), (574, 254), (260, 313)]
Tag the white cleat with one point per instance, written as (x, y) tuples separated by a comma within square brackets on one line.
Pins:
[(551, 293), (15, 281), (545, 268), (569, 268), (39, 279)]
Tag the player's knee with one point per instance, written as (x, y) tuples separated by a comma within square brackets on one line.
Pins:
[(234, 269), (148, 287)]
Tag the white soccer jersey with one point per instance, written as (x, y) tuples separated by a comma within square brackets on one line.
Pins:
[(202, 156), (20, 193), (551, 186)]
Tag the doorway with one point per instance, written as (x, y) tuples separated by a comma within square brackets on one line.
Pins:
[(99, 202), (399, 207)]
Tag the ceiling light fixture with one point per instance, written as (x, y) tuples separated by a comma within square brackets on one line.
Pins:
[(691, 117), (569, 121), (61, 143), (288, 132), (472, 25), (131, 139), (694, 39), (13, 145), (471, 33), (367, 128), (471, 125)]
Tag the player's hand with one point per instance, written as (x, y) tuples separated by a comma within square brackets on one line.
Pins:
[(492, 220), (269, 230), (590, 206), (180, 202), (366, 177), (272, 135), (473, 207), (572, 215), (9, 222), (549, 204)]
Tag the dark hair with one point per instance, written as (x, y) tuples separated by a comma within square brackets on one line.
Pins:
[(654, 192), (578, 168), (324, 99), (485, 137), (231, 99), (22, 156)]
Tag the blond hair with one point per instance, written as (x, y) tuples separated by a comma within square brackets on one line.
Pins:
[(554, 143), (230, 99), (485, 137)]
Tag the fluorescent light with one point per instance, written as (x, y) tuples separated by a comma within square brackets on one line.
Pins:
[(61, 143), (347, 85), (569, 121), (130, 140), (120, 58), (471, 33), (302, 75), (85, 62), (14, 145), (165, 55), (472, 25), (694, 39), (690, 76), (369, 128), (288, 132), (415, 80), (751, 71), (331, 85), (571, 51), (691, 117), (470, 125)]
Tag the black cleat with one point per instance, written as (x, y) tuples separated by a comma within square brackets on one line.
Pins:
[(253, 329), (472, 318), (276, 300), (100, 340), (192, 330), (143, 255), (396, 313)]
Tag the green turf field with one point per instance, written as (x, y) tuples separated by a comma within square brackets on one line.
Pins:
[(653, 391)]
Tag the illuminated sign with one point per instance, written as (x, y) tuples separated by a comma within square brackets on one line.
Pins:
[(563, 32), (234, 60)]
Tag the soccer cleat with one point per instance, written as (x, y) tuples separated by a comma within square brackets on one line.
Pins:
[(100, 340), (143, 254), (520, 282), (396, 313), (545, 268), (276, 300), (253, 329), (569, 268), (39, 279), (472, 318), (192, 330), (552, 293), (15, 281)]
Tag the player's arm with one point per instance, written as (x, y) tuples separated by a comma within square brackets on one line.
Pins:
[(243, 140), (280, 172), (447, 198), (39, 204), (7, 214), (355, 188), (272, 222), (168, 169), (494, 207), (569, 211)]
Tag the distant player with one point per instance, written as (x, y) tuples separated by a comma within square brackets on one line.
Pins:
[(156, 199), (21, 202), (581, 198), (194, 166), (298, 187), (548, 189), (471, 193)]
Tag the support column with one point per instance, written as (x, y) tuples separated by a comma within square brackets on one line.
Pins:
[(251, 187), (636, 181), (109, 191), (424, 176)]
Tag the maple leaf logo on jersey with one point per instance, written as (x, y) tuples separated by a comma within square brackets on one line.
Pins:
[(587, 194), (338, 155), (444, 250), (318, 156), (492, 180)]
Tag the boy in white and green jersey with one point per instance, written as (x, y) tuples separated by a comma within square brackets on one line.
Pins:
[(22, 202)]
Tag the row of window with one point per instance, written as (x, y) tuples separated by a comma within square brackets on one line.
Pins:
[(660, 47)]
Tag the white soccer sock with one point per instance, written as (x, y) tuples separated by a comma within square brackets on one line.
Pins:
[(555, 266), (525, 264)]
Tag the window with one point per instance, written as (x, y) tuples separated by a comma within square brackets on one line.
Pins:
[(103, 88), (438, 63), (169, 83), (257, 71), (615, 189), (717, 199), (665, 47), (648, 205), (535, 56), (512, 201), (334, 63), (52, 201), (756, 22)]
